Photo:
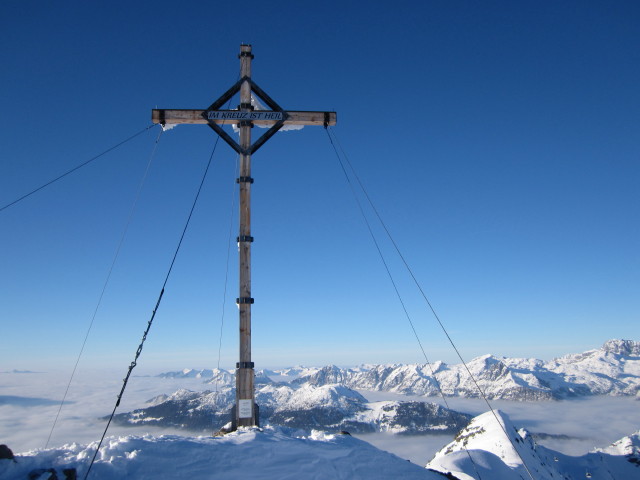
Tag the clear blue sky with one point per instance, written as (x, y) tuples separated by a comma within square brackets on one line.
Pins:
[(499, 140)]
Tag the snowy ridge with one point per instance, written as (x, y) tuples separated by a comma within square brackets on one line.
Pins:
[(498, 450), (274, 453)]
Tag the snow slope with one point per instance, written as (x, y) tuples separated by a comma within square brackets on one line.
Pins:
[(491, 447), (245, 454)]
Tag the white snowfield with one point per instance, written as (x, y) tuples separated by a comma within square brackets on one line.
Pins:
[(245, 454), (483, 450)]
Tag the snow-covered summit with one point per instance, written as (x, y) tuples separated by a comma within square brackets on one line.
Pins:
[(327, 396), (492, 447), (327, 375), (496, 440), (246, 454)]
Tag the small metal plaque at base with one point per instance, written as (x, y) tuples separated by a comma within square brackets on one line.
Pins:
[(245, 408)]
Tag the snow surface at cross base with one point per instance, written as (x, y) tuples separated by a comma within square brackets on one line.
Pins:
[(245, 454), (482, 450)]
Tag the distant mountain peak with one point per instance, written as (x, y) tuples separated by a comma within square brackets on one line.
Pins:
[(628, 446), (622, 347)]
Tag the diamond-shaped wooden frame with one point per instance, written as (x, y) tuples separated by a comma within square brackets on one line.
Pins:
[(225, 97)]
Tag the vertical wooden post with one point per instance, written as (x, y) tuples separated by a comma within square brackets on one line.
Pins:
[(245, 411)]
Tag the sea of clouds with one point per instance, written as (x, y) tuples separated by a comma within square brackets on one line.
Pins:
[(29, 404)]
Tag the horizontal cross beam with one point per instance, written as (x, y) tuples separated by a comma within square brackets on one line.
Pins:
[(195, 117)]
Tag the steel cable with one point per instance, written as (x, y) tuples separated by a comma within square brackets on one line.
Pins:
[(150, 322), (484, 397), (77, 167), (106, 282)]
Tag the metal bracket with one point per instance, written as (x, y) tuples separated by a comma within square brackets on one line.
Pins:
[(244, 180), (244, 238), (245, 365), (235, 88), (244, 300), (245, 123)]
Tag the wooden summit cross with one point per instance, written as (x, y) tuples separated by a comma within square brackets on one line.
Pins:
[(245, 411)]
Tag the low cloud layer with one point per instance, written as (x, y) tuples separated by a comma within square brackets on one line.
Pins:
[(29, 404)]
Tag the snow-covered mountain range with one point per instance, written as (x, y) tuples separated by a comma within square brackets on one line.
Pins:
[(328, 407), (326, 397), (298, 400), (613, 369)]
